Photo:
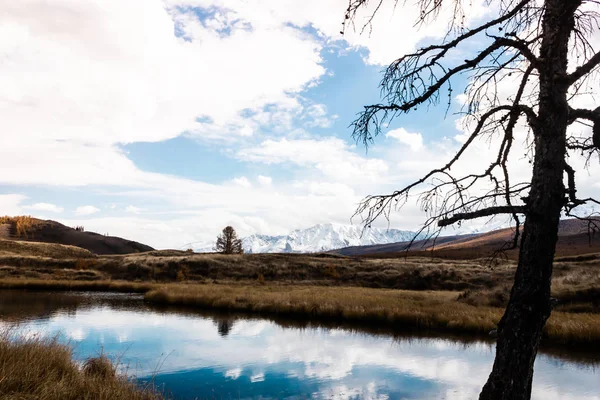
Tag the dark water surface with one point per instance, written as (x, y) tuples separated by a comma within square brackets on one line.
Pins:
[(222, 357)]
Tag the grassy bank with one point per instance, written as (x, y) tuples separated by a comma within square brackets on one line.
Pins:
[(399, 309), (34, 368), (576, 281), (66, 285), (472, 312)]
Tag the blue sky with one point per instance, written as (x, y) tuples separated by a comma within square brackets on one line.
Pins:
[(165, 120)]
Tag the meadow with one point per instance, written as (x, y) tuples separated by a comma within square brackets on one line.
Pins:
[(403, 293)]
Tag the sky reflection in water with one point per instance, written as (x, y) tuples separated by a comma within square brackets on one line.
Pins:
[(197, 357)]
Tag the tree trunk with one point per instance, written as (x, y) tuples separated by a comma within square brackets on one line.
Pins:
[(529, 307)]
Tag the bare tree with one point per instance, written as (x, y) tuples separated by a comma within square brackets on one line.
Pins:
[(228, 242), (528, 44)]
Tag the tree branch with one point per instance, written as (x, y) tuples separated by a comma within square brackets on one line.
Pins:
[(584, 69), (485, 212), (521, 46), (583, 113)]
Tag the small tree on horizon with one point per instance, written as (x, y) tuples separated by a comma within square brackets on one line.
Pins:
[(228, 242)]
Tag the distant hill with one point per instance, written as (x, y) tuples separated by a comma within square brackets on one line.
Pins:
[(47, 231), (417, 245), (573, 240)]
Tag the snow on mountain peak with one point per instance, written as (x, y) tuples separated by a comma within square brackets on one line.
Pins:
[(323, 237)]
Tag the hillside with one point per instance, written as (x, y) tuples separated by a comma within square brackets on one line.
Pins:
[(573, 240), (36, 230)]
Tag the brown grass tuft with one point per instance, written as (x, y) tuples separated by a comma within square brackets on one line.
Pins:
[(99, 367), (36, 368)]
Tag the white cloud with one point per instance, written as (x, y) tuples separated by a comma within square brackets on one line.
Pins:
[(86, 210), (413, 140), (265, 180), (242, 181), (113, 72), (391, 22), (110, 74), (133, 209), (45, 207), (10, 204), (127, 78), (333, 157)]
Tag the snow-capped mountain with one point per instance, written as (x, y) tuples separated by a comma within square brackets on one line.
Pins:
[(323, 237)]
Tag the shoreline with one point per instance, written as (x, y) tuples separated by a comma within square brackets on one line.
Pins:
[(395, 310), (51, 373)]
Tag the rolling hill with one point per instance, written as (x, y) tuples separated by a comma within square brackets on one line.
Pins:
[(47, 231), (574, 239)]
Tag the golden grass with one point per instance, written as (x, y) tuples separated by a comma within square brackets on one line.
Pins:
[(66, 285), (38, 249), (571, 328), (23, 225), (35, 368), (400, 309)]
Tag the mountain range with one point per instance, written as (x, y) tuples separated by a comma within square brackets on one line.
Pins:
[(320, 238)]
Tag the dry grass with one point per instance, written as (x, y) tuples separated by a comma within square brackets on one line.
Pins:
[(400, 309), (33, 250), (35, 368), (21, 225), (66, 285), (397, 309)]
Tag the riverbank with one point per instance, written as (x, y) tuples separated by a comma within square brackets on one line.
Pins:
[(36, 368), (400, 310)]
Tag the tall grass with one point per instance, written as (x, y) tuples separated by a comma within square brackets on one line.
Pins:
[(37, 368), (66, 285), (399, 309)]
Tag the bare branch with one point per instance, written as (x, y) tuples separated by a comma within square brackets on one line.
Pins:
[(521, 46), (582, 113), (486, 212), (584, 69)]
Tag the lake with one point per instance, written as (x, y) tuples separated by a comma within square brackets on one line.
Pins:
[(193, 355)]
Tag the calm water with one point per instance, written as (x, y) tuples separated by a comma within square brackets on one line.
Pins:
[(209, 357)]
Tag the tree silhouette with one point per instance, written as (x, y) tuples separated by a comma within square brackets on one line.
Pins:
[(224, 326), (527, 49), (228, 242)]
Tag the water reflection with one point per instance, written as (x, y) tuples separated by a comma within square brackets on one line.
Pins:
[(219, 357), (224, 325)]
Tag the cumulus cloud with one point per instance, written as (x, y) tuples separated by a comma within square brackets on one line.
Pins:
[(390, 22), (86, 210), (45, 207), (115, 72), (333, 157), (413, 140), (125, 77)]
